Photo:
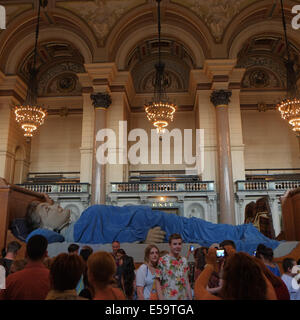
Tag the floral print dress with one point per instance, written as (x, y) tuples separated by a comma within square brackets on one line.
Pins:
[(173, 275)]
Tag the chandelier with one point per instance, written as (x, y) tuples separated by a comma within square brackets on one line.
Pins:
[(289, 107), (159, 111), (29, 115)]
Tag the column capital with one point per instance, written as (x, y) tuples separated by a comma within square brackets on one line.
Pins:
[(220, 97), (101, 100)]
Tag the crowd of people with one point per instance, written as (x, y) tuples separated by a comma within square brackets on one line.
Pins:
[(217, 273)]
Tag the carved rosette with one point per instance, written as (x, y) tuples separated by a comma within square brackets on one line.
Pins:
[(220, 97), (101, 100)]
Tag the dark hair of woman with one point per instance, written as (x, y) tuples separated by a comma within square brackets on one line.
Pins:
[(266, 252), (275, 281), (65, 272), (243, 279), (128, 276), (199, 256)]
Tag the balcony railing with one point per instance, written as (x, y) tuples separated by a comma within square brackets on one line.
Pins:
[(57, 188), (274, 185), (127, 187)]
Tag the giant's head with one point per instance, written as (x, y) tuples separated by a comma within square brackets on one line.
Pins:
[(47, 216)]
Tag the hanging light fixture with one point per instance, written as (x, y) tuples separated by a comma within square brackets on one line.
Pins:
[(29, 115), (289, 107), (160, 112)]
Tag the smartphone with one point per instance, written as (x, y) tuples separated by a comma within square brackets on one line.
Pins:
[(254, 253), (192, 248), (220, 253)]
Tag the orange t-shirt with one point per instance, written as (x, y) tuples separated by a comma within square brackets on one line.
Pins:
[(110, 293)]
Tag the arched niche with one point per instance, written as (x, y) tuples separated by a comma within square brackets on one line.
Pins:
[(195, 210)]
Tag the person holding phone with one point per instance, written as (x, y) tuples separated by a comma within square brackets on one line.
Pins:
[(243, 278)]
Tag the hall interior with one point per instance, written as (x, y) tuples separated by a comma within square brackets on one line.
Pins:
[(109, 48)]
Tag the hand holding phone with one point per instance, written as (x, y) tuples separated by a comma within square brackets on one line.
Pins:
[(192, 248), (220, 253)]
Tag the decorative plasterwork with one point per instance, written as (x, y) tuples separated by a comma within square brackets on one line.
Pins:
[(264, 58), (101, 15), (176, 71), (61, 80), (216, 14), (58, 63), (49, 53), (260, 78), (149, 48)]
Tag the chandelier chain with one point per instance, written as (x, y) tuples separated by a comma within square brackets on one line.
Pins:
[(289, 107), (29, 115), (159, 111)]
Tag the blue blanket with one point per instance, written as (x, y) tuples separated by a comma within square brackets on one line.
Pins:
[(104, 224)]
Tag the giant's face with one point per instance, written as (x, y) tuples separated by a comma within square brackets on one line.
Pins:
[(52, 215)]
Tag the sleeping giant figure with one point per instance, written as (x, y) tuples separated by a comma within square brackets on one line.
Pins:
[(104, 224)]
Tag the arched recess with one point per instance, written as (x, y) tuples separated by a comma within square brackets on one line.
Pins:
[(195, 210), (19, 37), (129, 44), (268, 27), (58, 34), (178, 24), (263, 57), (252, 14), (58, 64), (20, 168)]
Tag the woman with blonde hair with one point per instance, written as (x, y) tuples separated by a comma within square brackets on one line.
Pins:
[(145, 275), (101, 269)]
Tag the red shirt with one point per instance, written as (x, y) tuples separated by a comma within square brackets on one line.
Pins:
[(31, 283), (282, 291)]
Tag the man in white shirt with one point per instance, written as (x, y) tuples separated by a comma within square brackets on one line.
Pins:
[(287, 277)]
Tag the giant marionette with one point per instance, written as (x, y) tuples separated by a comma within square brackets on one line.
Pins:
[(104, 223)]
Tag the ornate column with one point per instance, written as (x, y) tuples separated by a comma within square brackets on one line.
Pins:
[(221, 99), (101, 102), (12, 92)]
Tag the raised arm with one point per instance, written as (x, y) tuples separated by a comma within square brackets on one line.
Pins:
[(202, 281)]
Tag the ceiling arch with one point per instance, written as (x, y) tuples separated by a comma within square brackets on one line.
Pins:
[(20, 36)]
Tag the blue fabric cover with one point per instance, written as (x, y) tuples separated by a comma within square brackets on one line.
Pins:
[(50, 235), (104, 224)]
